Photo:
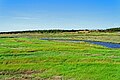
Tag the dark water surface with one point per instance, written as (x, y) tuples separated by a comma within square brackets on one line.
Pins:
[(106, 44)]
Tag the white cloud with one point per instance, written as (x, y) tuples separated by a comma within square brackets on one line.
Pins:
[(19, 17), (24, 18)]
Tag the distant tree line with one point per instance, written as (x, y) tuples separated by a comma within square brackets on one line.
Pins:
[(39, 31), (60, 31), (113, 29)]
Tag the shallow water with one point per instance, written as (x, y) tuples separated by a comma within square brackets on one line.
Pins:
[(106, 44)]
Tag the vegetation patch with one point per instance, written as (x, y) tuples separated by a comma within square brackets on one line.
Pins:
[(31, 58)]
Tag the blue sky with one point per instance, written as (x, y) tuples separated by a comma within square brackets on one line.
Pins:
[(58, 14)]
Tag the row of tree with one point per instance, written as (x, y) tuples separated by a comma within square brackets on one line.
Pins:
[(60, 31), (39, 31), (113, 29)]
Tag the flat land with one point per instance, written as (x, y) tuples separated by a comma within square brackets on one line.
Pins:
[(25, 56)]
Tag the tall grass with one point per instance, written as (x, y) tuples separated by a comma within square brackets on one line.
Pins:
[(32, 58)]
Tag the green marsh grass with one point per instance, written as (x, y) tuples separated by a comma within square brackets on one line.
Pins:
[(32, 59)]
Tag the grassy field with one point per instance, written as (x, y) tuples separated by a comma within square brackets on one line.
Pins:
[(95, 36), (25, 56)]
